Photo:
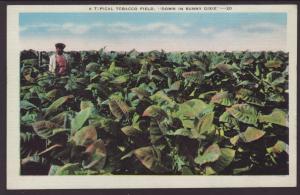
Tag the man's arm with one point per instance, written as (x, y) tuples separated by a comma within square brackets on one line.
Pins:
[(52, 64)]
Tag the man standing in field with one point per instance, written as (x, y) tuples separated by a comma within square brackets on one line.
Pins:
[(58, 62)]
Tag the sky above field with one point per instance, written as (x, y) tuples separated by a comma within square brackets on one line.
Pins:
[(154, 31)]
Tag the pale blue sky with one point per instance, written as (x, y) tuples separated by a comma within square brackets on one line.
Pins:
[(176, 31)]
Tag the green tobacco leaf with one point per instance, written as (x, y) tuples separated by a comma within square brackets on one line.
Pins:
[(115, 70), (225, 68), (160, 97), (188, 110), (155, 112), (120, 79), (227, 156), (106, 124), (252, 134), (86, 104), (52, 94), (141, 93), (26, 105), (148, 157), (175, 86), (59, 119), (92, 67), (31, 62), (44, 128), (56, 104), (273, 64), (193, 76), (275, 97), (68, 169), (248, 61), (277, 116), (156, 135), (227, 118), (244, 113), (85, 136), (29, 118), (211, 154), (118, 108), (93, 86), (234, 140), (182, 132), (279, 147), (275, 78), (166, 71), (247, 96), (79, 120), (222, 98), (204, 125), (96, 156), (131, 131)]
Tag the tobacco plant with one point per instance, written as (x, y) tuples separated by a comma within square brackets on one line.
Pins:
[(157, 112)]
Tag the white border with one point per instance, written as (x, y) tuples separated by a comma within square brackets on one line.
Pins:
[(15, 181)]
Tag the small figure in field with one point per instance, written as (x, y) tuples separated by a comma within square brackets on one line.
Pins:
[(59, 61)]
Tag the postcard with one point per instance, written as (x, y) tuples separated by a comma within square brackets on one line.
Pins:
[(151, 96)]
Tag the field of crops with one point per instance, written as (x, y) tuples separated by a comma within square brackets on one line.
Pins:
[(163, 113)]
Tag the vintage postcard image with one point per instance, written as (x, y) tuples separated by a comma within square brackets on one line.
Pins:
[(139, 96)]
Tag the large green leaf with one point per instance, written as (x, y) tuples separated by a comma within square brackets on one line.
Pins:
[(204, 125), (156, 135), (80, 119), (86, 104), (224, 68), (275, 78), (92, 67), (277, 116), (252, 134), (96, 156), (44, 128), (149, 158), (85, 136), (188, 110), (131, 131), (120, 79), (244, 113), (26, 105), (227, 118), (60, 118), (115, 70), (118, 108), (211, 154), (227, 156), (193, 76), (222, 98), (247, 96), (56, 104), (52, 94), (273, 64), (68, 169), (279, 147), (161, 97), (141, 93), (182, 132), (155, 112)]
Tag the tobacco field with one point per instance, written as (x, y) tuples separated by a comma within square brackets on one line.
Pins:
[(155, 113)]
